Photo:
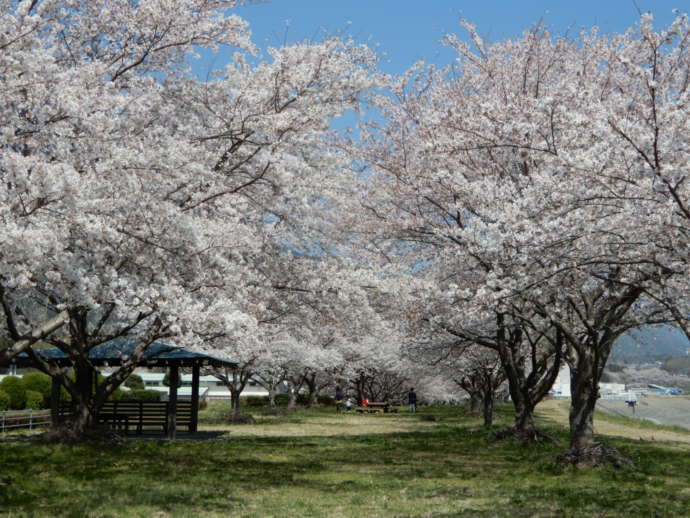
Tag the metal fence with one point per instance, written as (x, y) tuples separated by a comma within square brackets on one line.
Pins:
[(17, 419)]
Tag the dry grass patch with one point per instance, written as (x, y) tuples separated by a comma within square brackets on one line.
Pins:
[(604, 424), (344, 424)]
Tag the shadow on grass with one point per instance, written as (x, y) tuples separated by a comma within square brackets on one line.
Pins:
[(450, 465)]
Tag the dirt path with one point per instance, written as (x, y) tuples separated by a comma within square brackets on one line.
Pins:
[(557, 410), (664, 410)]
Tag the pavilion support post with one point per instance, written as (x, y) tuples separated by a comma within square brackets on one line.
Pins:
[(195, 397), (55, 403), (172, 400)]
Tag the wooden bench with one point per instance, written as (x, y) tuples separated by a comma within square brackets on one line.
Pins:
[(117, 421), (143, 416), (376, 407)]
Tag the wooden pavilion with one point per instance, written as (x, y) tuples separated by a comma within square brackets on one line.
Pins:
[(113, 353)]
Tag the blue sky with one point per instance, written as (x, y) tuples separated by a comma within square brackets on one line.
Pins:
[(407, 30)]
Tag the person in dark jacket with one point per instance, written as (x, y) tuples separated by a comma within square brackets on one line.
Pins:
[(339, 397), (412, 400)]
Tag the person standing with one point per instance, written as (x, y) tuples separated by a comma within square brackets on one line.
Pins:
[(339, 396), (412, 400)]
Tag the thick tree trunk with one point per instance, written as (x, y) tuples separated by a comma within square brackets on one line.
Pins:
[(88, 397), (84, 420), (524, 416), (584, 383), (272, 397), (85, 410), (522, 402)]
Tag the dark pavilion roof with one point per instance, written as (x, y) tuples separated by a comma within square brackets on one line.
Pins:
[(115, 351)]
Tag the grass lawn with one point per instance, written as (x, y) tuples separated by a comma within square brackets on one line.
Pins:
[(321, 464)]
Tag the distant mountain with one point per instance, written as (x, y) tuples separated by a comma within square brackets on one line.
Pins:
[(650, 343)]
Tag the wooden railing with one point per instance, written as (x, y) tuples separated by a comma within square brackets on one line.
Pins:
[(17, 419)]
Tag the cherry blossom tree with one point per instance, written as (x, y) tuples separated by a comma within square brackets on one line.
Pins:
[(135, 197), (530, 352), (478, 372), (644, 122), (501, 173), (236, 378), (67, 69), (82, 101)]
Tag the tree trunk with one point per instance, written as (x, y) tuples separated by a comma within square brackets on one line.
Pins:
[(475, 404), (313, 398), (272, 397), (359, 389), (313, 392), (520, 397), (84, 420), (584, 383), (88, 397), (292, 397), (85, 411), (234, 402), (488, 408), (524, 416)]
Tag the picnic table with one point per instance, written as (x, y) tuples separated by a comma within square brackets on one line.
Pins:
[(375, 407)]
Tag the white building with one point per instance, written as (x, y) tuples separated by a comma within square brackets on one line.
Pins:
[(615, 391), (210, 386), (561, 387)]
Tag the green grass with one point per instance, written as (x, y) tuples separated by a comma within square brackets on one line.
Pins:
[(408, 467), (216, 413)]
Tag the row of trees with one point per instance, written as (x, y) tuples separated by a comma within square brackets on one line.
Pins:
[(137, 201), (538, 188), (519, 209)]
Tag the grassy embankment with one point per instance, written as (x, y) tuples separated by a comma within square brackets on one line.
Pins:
[(322, 464)]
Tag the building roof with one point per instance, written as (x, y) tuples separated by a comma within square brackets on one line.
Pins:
[(116, 351)]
